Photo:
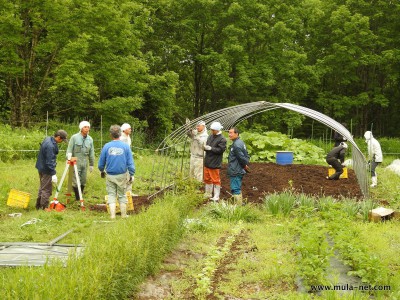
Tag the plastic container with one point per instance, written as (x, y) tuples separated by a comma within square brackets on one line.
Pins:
[(344, 175), (18, 199), (129, 205), (284, 157)]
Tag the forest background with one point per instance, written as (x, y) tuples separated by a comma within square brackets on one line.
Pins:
[(154, 63)]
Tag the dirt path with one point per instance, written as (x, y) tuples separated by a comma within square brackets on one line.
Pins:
[(173, 270)]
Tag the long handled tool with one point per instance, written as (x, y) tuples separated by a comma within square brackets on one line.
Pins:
[(55, 204)]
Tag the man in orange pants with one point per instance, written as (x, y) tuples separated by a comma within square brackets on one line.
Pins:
[(214, 148)]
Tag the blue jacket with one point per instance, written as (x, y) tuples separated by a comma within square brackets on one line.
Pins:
[(47, 158), (238, 158), (116, 158)]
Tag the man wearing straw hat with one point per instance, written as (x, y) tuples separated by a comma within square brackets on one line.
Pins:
[(199, 138)]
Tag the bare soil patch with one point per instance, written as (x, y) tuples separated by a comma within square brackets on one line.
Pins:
[(268, 178)]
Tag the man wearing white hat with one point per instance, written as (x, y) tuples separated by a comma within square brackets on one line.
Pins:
[(199, 138), (81, 146), (215, 147), (126, 131), (375, 156), (125, 137)]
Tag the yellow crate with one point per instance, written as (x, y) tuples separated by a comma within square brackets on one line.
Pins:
[(18, 199), (129, 206), (344, 175)]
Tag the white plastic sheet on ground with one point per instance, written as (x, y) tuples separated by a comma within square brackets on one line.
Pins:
[(35, 254), (394, 166)]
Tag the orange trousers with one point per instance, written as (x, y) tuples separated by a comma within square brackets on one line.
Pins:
[(211, 176)]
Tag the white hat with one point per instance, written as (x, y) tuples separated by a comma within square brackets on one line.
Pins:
[(216, 126), (368, 135), (125, 126), (83, 124), (201, 123)]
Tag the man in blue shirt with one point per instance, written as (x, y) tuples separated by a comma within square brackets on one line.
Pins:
[(46, 164), (116, 159), (238, 161)]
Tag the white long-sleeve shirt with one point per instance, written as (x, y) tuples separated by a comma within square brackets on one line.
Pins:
[(126, 138), (374, 150)]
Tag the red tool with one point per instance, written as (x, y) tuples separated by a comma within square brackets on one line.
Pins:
[(55, 204)]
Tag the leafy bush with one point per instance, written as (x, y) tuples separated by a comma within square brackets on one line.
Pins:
[(263, 147)]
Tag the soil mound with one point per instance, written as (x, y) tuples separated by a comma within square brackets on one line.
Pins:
[(268, 178)]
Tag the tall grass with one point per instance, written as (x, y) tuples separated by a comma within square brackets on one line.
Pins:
[(117, 257), (233, 213), (284, 203)]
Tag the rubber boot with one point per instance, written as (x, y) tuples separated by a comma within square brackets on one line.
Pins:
[(208, 191), (238, 199), (122, 206), (38, 203), (76, 192), (217, 191), (113, 207), (374, 181)]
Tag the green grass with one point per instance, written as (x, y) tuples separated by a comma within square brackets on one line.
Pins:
[(117, 256), (23, 176), (280, 257)]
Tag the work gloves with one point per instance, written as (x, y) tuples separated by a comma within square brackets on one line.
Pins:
[(90, 169), (54, 179), (206, 147), (344, 145), (103, 174)]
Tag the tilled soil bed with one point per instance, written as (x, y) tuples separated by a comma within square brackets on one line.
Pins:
[(267, 178)]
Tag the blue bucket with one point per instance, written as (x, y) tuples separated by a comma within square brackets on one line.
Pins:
[(284, 157)]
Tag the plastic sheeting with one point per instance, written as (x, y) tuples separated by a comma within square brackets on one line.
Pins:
[(36, 254)]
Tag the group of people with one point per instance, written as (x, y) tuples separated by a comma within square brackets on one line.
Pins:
[(206, 154), (116, 164), (336, 156)]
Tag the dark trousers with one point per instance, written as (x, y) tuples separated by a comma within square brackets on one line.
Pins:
[(335, 163), (45, 191), (374, 164)]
